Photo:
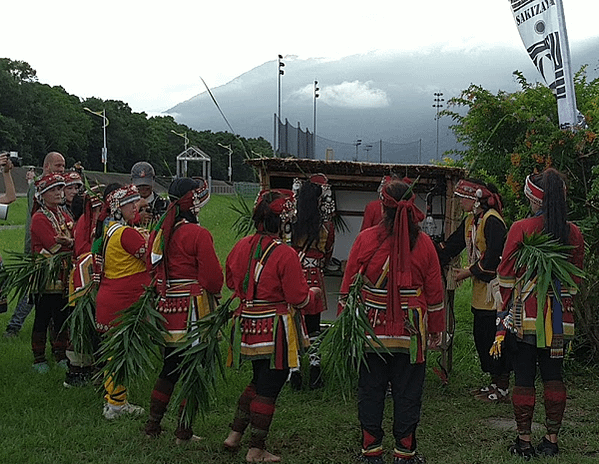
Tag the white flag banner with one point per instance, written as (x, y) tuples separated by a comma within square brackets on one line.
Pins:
[(542, 27)]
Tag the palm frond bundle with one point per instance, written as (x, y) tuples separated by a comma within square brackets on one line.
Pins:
[(341, 226), (81, 323), (243, 225), (130, 348), (546, 260), (344, 344), (202, 362), (31, 273)]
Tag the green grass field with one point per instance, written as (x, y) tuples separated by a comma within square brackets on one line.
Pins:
[(42, 422)]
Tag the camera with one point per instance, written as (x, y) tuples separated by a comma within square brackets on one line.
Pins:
[(13, 156), (15, 159)]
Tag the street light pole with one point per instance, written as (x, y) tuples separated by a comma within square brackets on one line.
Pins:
[(438, 105), (368, 148), (357, 143), (316, 95), (102, 114), (230, 170), (184, 135)]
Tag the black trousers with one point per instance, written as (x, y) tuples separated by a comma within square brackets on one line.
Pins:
[(268, 382), (407, 383), (485, 326), (49, 307), (312, 324), (525, 360), (170, 368)]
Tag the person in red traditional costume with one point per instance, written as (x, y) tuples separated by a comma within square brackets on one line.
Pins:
[(80, 366), (188, 276), (373, 213), (53, 164), (51, 233), (123, 278), (539, 338), (313, 237), (267, 276), (482, 233), (396, 255), (73, 185)]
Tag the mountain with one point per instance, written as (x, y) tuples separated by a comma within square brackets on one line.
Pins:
[(378, 96)]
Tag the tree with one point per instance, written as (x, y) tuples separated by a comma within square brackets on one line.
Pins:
[(510, 135), (37, 118)]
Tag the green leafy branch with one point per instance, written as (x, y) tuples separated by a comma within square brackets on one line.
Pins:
[(81, 323), (31, 273), (129, 349), (202, 362), (546, 259), (343, 346), (243, 225)]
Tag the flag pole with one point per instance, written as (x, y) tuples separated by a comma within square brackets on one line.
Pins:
[(567, 110)]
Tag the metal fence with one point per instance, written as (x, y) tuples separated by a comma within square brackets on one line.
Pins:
[(247, 189), (376, 151), (293, 141)]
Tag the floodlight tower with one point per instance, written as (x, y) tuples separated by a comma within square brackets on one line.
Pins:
[(437, 105)]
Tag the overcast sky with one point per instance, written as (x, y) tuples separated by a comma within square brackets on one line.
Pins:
[(151, 54)]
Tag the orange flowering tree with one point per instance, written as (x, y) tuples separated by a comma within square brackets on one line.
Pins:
[(506, 136)]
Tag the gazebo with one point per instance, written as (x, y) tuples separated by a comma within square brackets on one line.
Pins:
[(194, 154)]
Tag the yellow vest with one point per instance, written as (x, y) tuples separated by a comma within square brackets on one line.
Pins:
[(117, 262), (480, 290)]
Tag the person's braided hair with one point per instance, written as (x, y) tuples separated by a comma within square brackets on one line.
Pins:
[(554, 208)]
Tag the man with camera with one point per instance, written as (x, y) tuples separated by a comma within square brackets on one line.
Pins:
[(9, 195), (5, 199), (142, 176)]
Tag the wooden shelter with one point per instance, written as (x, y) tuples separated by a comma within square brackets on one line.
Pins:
[(196, 155), (354, 184)]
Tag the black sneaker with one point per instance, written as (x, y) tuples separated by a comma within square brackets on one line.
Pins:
[(546, 448), (416, 459), (371, 459), (523, 449), (295, 380), (75, 380)]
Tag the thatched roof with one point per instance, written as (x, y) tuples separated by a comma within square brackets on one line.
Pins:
[(349, 174)]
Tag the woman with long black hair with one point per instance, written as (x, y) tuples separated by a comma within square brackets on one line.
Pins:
[(403, 294), (266, 275), (188, 275), (539, 337), (313, 237)]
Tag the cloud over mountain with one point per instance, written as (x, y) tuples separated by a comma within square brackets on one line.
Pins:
[(378, 96)]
